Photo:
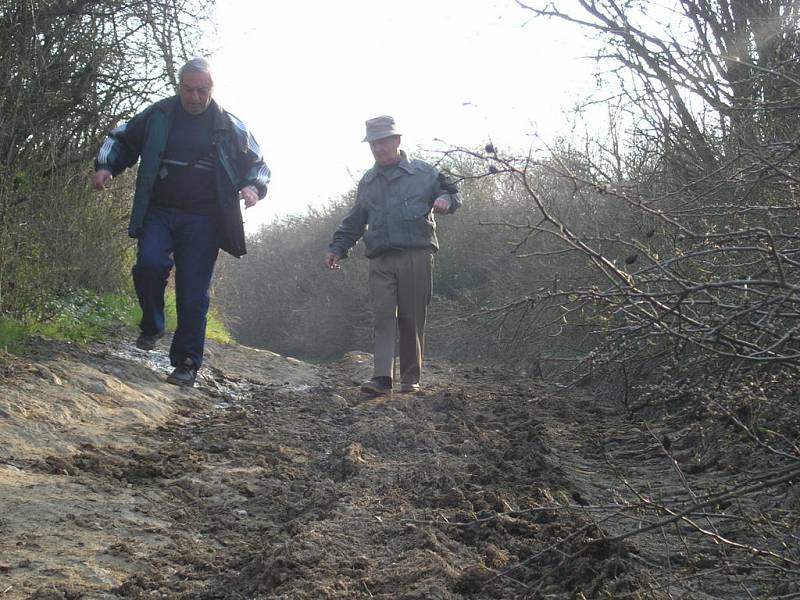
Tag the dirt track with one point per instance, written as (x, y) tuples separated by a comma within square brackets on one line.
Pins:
[(277, 479)]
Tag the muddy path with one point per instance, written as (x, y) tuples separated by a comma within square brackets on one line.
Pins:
[(274, 478)]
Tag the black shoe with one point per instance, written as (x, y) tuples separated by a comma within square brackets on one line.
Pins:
[(377, 386), (148, 342), (184, 374)]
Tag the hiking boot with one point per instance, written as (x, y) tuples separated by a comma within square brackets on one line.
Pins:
[(377, 386), (148, 342), (409, 388), (183, 374)]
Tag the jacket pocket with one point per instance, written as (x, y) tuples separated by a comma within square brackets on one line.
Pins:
[(416, 207)]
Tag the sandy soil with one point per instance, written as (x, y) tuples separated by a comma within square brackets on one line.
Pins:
[(274, 478)]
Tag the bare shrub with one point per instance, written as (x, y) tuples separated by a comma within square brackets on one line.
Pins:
[(71, 71)]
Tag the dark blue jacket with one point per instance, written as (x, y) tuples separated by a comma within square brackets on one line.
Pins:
[(239, 164)]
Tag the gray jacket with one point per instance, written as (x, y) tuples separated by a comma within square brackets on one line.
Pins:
[(395, 212)]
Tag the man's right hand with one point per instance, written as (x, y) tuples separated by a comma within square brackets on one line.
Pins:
[(101, 178), (332, 261)]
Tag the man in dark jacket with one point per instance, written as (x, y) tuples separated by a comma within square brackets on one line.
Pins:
[(393, 212), (197, 162)]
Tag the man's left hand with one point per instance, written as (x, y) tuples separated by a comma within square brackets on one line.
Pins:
[(441, 205), (249, 194)]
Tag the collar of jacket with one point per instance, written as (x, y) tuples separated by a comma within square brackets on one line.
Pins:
[(405, 164), (171, 104)]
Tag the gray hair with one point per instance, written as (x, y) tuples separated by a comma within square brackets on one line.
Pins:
[(195, 65)]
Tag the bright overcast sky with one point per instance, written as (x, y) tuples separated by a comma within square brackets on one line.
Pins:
[(305, 75)]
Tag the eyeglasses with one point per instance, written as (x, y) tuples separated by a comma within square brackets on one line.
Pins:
[(201, 91)]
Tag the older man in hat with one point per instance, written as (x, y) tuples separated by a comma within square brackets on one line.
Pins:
[(393, 211)]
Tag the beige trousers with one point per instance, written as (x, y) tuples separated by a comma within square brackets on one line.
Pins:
[(400, 283)]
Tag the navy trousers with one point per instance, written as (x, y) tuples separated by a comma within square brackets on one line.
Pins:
[(190, 243)]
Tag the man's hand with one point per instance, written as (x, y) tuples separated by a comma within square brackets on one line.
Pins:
[(100, 179), (249, 194), (332, 261), (441, 205)]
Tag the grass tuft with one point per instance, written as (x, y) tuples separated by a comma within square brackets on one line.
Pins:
[(83, 316)]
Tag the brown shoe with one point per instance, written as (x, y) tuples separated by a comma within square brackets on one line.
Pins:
[(378, 386), (409, 388)]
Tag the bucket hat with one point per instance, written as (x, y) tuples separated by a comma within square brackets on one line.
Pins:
[(380, 127)]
